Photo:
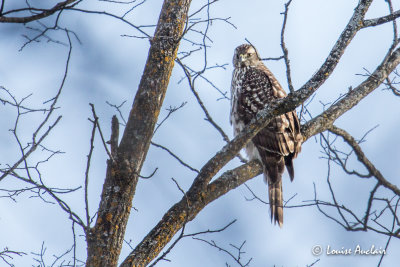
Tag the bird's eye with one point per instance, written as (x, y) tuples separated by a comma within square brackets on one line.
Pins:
[(248, 54)]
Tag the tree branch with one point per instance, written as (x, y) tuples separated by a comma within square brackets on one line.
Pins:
[(176, 157), (284, 49), (363, 159), (180, 213), (45, 13), (353, 97), (381, 20)]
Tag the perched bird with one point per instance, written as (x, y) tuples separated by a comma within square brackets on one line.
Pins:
[(254, 87)]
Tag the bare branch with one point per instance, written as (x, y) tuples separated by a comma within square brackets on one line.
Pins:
[(97, 125), (200, 102), (138, 28), (381, 20), (176, 157), (394, 22), (353, 97), (363, 159), (284, 49), (37, 142), (89, 157), (273, 58), (114, 136), (118, 109), (391, 87), (7, 255), (353, 26), (237, 258), (208, 117), (44, 12), (254, 195), (312, 264), (170, 110), (178, 215), (133, 7)]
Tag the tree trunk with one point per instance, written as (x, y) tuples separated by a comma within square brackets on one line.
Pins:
[(105, 239)]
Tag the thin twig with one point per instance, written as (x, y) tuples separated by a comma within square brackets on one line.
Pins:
[(176, 157), (96, 123), (363, 159), (89, 157), (284, 49)]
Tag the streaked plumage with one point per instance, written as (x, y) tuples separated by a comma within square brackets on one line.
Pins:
[(253, 87)]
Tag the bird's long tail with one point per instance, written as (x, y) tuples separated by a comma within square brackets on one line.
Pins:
[(276, 201), (273, 170)]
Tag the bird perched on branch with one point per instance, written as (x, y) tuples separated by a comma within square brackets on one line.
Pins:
[(253, 88)]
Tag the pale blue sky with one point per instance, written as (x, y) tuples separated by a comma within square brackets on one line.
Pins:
[(108, 67)]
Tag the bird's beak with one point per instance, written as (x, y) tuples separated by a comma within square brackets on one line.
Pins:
[(242, 58)]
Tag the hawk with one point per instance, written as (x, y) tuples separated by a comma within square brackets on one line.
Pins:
[(253, 87)]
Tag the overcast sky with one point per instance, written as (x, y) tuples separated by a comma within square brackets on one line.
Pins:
[(107, 67)]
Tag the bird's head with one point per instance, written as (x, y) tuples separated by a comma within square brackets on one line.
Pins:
[(245, 55)]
